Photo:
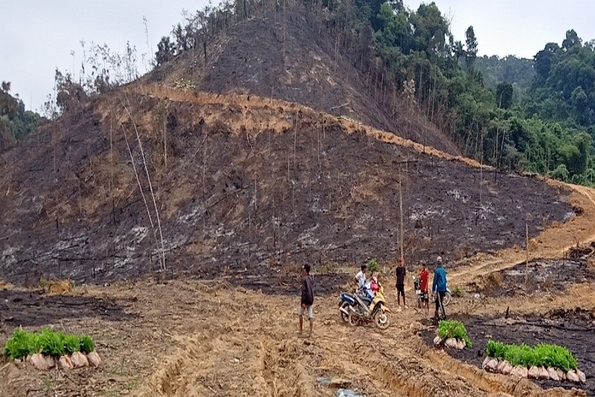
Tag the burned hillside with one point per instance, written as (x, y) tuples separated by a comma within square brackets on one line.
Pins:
[(241, 184), (291, 56)]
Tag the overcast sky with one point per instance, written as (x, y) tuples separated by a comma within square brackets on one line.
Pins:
[(38, 36)]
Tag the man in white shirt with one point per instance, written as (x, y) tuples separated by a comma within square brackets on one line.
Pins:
[(360, 277)]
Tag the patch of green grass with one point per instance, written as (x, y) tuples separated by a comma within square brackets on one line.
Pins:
[(454, 329), (43, 282), (543, 354), (48, 342)]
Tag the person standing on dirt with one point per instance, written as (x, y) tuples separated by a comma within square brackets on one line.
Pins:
[(401, 272), (307, 298), (439, 287), (360, 277), (424, 275)]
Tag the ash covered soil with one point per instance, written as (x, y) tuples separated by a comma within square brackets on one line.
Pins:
[(244, 186)]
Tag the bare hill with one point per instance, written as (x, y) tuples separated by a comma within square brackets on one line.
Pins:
[(245, 184), (290, 56)]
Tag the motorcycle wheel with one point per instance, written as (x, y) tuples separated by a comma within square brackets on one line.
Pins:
[(352, 320), (446, 299), (344, 317), (381, 320)]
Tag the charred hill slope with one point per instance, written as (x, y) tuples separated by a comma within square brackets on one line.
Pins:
[(291, 56), (243, 184)]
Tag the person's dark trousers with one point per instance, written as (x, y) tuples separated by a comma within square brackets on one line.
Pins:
[(440, 305)]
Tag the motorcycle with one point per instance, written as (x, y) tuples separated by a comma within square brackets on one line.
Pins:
[(447, 297), (366, 310), (422, 297), (347, 300)]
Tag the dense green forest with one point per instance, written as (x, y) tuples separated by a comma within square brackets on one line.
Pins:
[(515, 114)]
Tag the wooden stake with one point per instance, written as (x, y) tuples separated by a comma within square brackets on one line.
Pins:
[(527, 257), (401, 209)]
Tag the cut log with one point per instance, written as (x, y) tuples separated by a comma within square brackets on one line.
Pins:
[(561, 374), (437, 341), (461, 344), (451, 342), (485, 362)]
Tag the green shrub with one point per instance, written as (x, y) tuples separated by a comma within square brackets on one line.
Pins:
[(48, 342), (52, 343), (72, 344), (453, 329), (543, 354), (21, 344), (373, 266), (87, 345)]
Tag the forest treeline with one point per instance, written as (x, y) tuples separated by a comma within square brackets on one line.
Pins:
[(15, 121), (515, 114)]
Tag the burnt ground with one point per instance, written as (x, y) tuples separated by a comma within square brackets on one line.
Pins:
[(543, 275), (573, 329), (290, 55), (34, 308), (247, 201)]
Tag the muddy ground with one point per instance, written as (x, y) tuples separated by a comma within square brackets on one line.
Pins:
[(570, 328)]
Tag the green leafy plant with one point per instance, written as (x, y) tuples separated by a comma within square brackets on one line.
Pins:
[(87, 344), (43, 282), (21, 344), (373, 266), (72, 344), (544, 354), (454, 329), (48, 342), (52, 343)]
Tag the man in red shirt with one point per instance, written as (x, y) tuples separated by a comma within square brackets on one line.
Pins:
[(423, 277)]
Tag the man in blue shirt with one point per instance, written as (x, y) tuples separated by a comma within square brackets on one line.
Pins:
[(439, 287)]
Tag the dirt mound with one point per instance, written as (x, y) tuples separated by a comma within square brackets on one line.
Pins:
[(241, 186), (289, 55)]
